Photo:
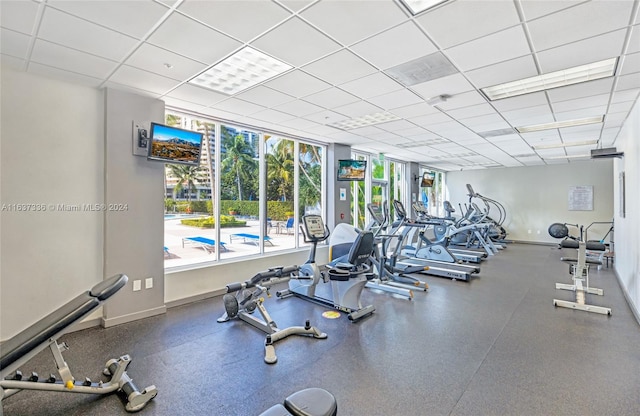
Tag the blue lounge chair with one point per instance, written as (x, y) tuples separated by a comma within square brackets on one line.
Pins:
[(207, 244), (250, 238)]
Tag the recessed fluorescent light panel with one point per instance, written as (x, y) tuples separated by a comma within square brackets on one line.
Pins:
[(559, 145), (570, 76), (418, 6), (368, 120), (242, 70), (560, 124)]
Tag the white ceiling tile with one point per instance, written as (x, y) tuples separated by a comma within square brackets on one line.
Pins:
[(634, 40), (154, 59), (521, 101), (133, 18), (415, 110), (181, 104), (630, 64), (326, 117), (484, 51), (395, 126), (521, 116), (625, 95), (278, 42), (296, 5), (620, 107), (330, 98), (67, 30), (372, 85), (412, 131), (628, 82), (427, 120), (461, 21), (71, 60), (581, 113), (18, 15), (297, 84), (395, 46), (357, 109), (272, 116), (233, 18), (193, 40), (535, 9), (265, 96), (14, 43), (198, 95), (485, 122), (300, 123), (298, 108), (586, 89), (351, 21), (237, 106), (583, 52), (464, 99), (471, 111), (507, 71), (146, 81), (71, 77), (449, 85), (578, 103), (11, 62), (400, 98), (579, 22), (340, 67), (321, 130), (369, 131), (128, 88), (615, 119)]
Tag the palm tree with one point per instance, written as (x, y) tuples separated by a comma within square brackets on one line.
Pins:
[(280, 168), (309, 158), (186, 175), (239, 159)]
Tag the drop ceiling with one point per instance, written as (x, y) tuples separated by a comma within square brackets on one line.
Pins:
[(345, 58)]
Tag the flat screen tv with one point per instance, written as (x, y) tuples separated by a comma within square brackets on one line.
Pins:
[(351, 170), (173, 145)]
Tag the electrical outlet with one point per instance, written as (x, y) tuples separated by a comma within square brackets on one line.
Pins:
[(148, 283), (529, 231), (137, 285)]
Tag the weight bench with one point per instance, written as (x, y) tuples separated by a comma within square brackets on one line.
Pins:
[(21, 348), (307, 402), (250, 238), (207, 244)]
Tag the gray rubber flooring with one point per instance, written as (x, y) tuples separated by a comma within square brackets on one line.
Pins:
[(493, 346)]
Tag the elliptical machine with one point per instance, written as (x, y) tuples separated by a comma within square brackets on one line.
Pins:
[(242, 299), (347, 275)]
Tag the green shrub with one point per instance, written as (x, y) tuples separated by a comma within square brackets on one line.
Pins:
[(209, 222)]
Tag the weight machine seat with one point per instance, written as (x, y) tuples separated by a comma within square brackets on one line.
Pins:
[(575, 260), (591, 245), (344, 268), (56, 322), (308, 402)]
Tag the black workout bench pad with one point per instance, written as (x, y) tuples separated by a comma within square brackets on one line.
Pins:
[(25, 345)]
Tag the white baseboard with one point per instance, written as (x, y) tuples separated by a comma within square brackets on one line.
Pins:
[(106, 323), (195, 298)]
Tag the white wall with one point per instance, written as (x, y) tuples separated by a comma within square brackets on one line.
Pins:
[(51, 153), (627, 232), (537, 196)]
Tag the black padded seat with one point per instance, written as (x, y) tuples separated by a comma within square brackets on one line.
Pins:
[(590, 245), (48, 327), (277, 410), (312, 402), (106, 288), (308, 402), (575, 260)]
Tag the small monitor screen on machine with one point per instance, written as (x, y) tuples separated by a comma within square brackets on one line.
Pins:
[(314, 226)]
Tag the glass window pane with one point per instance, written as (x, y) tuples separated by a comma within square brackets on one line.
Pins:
[(280, 163)]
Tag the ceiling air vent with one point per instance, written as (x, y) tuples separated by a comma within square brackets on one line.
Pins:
[(423, 69)]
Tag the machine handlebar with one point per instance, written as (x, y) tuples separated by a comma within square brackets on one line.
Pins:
[(271, 273)]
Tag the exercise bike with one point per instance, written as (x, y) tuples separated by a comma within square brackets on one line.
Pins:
[(242, 300), (347, 275)]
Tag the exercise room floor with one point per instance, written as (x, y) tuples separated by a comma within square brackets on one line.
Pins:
[(492, 346)]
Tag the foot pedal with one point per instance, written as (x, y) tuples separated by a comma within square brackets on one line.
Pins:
[(230, 305)]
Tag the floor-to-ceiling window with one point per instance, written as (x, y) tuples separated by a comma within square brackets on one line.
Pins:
[(246, 197)]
